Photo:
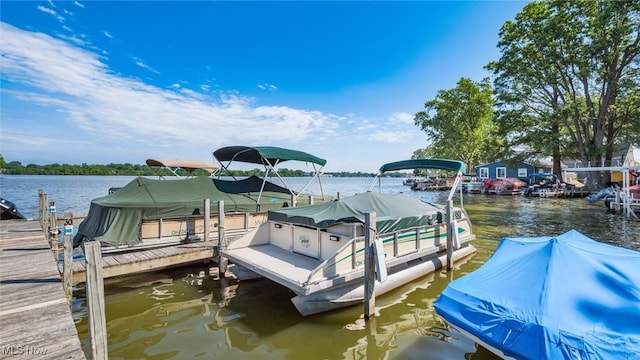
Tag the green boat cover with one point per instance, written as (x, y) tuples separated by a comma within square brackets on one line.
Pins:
[(393, 212), (443, 164), (116, 219), (258, 155)]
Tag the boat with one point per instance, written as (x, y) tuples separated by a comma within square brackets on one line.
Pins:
[(159, 212), (318, 251), (603, 193), (550, 297), (411, 181), (9, 211), (502, 186), (432, 183), (544, 185)]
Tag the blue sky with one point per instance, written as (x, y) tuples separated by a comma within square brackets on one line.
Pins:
[(124, 81)]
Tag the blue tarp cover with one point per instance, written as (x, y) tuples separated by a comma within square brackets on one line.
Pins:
[(563, 297)]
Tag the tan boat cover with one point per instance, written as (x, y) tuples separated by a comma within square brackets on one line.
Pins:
[(189, 165)]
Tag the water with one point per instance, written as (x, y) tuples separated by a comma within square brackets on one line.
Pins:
[(71, 193), (189, 312)]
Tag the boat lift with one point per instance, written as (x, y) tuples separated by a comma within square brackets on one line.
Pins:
[(625, 198)]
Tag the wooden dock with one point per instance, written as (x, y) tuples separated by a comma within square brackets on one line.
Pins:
[(35, 317), (149, 260)]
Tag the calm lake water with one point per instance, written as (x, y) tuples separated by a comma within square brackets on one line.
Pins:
[(189, 312)]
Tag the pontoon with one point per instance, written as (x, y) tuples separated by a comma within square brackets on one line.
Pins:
[(318, 251)]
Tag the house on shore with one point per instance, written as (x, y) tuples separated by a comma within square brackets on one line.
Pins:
[(611, 171), (502, 169)]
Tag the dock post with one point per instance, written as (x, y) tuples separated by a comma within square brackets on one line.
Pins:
[(207, 219), (53, 230), (449, 235), (68, 256), (222, 261), (369, 265), (42, 201), (95, 300)]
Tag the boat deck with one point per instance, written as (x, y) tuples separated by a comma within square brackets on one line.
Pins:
[(285, 267), (35, 317)]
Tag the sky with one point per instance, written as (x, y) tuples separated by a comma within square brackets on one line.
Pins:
[(101, 82)]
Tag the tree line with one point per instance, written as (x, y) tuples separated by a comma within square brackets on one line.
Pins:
[(16, 168), (566, 87)]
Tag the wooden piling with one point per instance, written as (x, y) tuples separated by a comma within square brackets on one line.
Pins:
[(369, 265), (67, 268), (53, 229), (43, 214), (222, 261), (95, 300), (207, 219)]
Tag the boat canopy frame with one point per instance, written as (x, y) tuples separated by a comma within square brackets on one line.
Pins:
[(432, 163), (270, 157), (173, 165)]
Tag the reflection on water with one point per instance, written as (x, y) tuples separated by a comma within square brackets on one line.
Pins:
[(190, 312)]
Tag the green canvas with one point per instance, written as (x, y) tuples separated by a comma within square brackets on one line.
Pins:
[(393, 212), (115, 219)]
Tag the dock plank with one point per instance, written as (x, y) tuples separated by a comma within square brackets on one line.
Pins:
[(35, 318), (120, 264)]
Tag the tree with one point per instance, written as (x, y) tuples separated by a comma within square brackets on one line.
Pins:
[(459, 123), (568, 77)]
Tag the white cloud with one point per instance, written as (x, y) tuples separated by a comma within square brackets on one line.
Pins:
[(266, 86), (52, 12), (45, 9), (126, 112), (391, 136), (401, 117), (366, 126), (141, 64), (107, 34), (77, 102), (78, 4)]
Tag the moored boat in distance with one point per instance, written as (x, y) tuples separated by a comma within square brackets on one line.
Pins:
[(503, 186), (150, 213), (318, 251), (545, 185)]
